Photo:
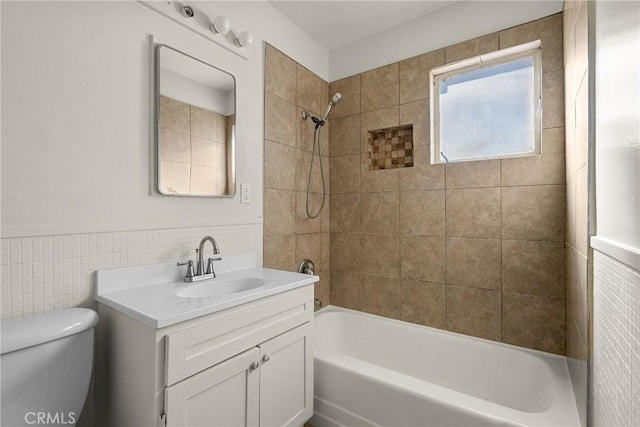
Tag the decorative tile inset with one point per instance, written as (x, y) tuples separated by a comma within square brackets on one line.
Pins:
[(390, 148)]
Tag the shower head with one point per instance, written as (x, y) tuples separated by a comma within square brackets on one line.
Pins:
[(336, 99)]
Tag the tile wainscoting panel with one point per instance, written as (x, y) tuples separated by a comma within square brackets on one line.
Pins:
[(46, 273), (616, 343)]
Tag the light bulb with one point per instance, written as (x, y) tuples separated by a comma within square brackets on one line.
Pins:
[(244, 39), (220, 25)]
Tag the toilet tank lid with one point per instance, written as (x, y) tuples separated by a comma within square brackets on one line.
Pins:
[(23, 332)]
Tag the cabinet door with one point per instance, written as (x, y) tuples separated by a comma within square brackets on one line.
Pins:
[(286, 378), (224, 395)]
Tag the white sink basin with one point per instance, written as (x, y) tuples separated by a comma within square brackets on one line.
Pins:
[(155, 294), (215, 289)]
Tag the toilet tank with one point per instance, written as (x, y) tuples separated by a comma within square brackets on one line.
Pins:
[(46, 367)]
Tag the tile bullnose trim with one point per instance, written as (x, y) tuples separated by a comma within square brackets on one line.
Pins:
[(625, 254), (37, 230)]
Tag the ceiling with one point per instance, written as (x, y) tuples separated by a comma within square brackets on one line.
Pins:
[(334, 24)]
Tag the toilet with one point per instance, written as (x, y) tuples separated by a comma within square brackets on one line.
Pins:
[(46, 362)]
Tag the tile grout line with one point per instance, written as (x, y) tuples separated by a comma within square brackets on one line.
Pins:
[(446, 284), (501, 266)]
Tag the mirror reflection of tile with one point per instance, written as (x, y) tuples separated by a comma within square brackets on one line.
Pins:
[(193, 147)]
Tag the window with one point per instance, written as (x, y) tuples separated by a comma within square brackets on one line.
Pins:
[(487, 107)]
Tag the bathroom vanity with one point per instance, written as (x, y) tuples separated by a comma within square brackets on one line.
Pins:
[(231, 351)]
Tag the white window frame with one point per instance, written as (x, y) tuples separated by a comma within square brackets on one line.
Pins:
[(531, 49)]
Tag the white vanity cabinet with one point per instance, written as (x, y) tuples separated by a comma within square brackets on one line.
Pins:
[(249, 365), (267, 385)]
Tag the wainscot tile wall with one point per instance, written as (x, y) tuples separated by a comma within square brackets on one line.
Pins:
[(476, 248), (46, 273), (289, 235), (578, 255), (616, 343)]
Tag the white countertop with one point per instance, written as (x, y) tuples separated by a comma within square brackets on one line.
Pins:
[(148, 293)]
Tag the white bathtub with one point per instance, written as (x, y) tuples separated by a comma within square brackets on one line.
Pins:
[(373, 371)]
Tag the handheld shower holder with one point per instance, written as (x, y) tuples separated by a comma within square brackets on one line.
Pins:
[(317, 121)]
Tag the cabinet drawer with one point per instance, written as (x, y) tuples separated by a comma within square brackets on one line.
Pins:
[(227, 333)]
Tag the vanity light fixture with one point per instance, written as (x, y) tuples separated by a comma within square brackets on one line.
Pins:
[(220, 25), (244, 39)]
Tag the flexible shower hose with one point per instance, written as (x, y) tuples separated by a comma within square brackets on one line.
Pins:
[(316, 141)]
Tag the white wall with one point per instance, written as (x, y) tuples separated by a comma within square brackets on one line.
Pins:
[(455, 23), (77, 152), (77, 146), (617, 115), (615, 367)]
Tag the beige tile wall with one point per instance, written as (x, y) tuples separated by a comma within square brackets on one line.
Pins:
[(477, 247), (576, 242), (579, 258), (289, 235)]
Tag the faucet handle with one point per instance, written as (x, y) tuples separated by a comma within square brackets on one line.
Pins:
[(189, 268), (210, 269)]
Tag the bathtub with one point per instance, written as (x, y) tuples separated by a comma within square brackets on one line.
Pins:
[(373, 371)]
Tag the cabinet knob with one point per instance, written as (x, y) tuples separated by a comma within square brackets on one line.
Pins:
[(254, 366), (266, 358)]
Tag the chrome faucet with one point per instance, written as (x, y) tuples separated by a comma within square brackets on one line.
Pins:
[(216, 251), (200, 273)]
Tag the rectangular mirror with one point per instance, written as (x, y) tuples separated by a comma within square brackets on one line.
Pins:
[(195, 113)]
